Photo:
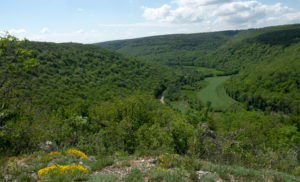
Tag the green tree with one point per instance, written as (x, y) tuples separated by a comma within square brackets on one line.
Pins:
[(15, 65)]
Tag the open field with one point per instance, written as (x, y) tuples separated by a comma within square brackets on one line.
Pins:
[(215, 93)]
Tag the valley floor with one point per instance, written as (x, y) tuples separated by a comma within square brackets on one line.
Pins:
[(215, 93)]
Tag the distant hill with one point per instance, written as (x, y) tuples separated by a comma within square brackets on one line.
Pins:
[(179, 49), (244, 51)]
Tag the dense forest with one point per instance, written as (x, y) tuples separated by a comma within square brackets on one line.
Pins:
[(107, 104), (257, 54)]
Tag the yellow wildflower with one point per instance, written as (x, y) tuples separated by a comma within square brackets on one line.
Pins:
[(55, 152), (61, 169), (76, 152)]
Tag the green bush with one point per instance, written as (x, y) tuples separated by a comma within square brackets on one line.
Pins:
[(135, 175), (101, 163)]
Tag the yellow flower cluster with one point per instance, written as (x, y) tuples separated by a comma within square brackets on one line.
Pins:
[(168, 160), (162, 169), (55, 152), (76, 152), (61, 169)]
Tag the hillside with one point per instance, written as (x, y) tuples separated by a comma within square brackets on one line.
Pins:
[(242, 52), (181, 49), (69, 71)]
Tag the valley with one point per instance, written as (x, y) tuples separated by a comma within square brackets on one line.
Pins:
[(178, 107)]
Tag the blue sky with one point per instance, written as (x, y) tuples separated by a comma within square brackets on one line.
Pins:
[(89, 21)]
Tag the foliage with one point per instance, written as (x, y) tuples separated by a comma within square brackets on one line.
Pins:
[(104, 103), (101, 163), (61, 169), (135, 175), (266, 60), (169, 160), (76, 153)]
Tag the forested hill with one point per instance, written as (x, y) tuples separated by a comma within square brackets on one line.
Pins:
[(214, 49), (179, 49), (267, 60), (69, 72)]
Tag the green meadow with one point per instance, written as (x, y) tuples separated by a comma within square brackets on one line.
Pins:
[(215, 93)]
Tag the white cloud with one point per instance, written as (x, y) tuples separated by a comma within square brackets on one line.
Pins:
[(161, 14), (45, 30), (80, 9), (226, 13), (179, 15), (17, 31)]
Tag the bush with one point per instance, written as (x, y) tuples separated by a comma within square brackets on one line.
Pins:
[(101, 163), (135, 175)]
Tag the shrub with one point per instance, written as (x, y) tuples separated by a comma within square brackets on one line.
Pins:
[(54, 153), (101, 163), (61, 169), (170, 160), (135, 176), (76, 153)]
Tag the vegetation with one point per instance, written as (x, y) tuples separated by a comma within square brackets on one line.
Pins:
[(259, 55), (167, 168), (94, 102), (214, 94)]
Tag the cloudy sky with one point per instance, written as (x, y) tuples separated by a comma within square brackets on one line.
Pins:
[(89, 21)]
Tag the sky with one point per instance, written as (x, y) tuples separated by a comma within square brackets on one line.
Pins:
[(91, 21)]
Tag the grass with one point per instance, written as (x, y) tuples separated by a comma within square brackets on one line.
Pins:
[(215, 93), (104, 178), (135, 175), (101, 163)]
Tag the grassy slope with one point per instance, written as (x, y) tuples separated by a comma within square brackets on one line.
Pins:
[(215, 93)]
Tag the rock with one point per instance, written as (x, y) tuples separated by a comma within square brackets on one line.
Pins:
[(208, 132), (34, 175), (204, 125), (92, 158), (152, 161), (48, 146), (212, 134)]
